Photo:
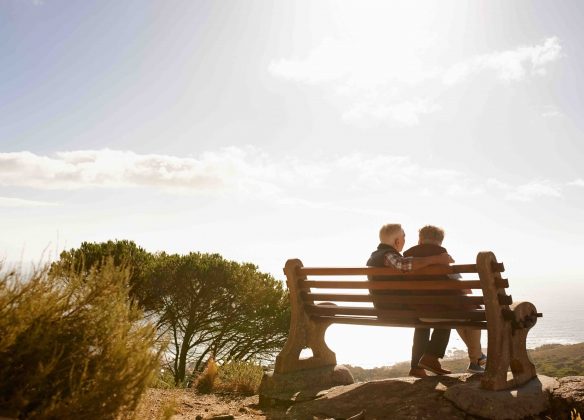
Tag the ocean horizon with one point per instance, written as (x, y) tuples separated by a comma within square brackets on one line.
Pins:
[(369, 347)]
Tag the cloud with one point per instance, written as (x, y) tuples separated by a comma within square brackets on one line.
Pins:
[(511, 65), (576, 183), (113, 169), (374, 84), (245, 170), (528, 191), (250, 172), (19, 202), (551, 114), (407, 113)]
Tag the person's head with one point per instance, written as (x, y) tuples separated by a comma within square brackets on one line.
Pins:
[(392, 234), (431, 235)]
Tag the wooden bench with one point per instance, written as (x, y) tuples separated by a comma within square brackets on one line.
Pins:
[(313, 311)]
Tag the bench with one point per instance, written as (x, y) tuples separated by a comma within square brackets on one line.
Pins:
[(313, 310)]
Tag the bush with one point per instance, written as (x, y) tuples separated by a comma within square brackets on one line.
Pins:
[(72, 346), (240, 377), (205, 383)]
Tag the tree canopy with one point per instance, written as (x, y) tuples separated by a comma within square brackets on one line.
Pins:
[(204, 304)]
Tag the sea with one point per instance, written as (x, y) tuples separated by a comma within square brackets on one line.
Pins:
[(368, 347)]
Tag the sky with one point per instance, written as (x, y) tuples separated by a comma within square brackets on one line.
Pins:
[(269, 130)]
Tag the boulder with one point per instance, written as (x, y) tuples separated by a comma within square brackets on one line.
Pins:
[(569, 395), (530, 399), (396, 399), (288, 388)]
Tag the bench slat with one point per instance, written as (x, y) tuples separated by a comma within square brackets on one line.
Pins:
[(398, 323), (474, 315), (433, 299), (398, 285), (385, 271)]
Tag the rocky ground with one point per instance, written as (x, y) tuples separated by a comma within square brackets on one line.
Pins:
[(183, 404), (399, 398)]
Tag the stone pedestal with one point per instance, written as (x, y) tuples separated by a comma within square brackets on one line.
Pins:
[(527, 400), (302, 385)]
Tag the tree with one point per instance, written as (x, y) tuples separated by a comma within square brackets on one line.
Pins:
[(214, 307), (205, 304), (124, 253)]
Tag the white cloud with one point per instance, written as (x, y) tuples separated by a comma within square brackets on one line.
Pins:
[(510, 65), (576, 183), (19, 202), (113, 169), (407, 113), (375, 83), (251, 172), (245, 170), (551, 114), (535, 189), (528, 191)]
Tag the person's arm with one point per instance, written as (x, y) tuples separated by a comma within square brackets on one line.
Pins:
[(415, 263), (421, 262)]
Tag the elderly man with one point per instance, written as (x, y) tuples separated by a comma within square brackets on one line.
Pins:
[(392, 240), (430, 243)]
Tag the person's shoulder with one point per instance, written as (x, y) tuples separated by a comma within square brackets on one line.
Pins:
[(424, 250), (410, 252)]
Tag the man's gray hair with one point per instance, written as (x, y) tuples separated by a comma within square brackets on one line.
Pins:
[(431, 234), (389, 231)]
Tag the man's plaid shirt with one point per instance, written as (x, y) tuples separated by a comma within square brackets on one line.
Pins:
[(397, 261)]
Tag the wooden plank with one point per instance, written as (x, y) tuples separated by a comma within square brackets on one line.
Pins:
[(386, 271), (433, 299), (398, 285), (393, 285), (473, 315), (397, 323)]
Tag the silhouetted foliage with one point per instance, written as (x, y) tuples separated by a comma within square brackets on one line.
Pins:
[(220, 308), (124, 253), (203, 304)]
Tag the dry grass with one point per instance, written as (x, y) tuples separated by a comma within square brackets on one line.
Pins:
[(72, 346)]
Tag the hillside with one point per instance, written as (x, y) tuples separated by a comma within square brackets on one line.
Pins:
[(554, 360)]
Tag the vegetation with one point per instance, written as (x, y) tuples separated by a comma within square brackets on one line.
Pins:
[(233, 377), (554, 360), (213, 307), (240, 377), (206, 381), (90, 256), (559, 360), (72, 346), (203, 305)]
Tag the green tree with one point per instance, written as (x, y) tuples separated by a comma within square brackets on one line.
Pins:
[(214, 307), (123, 253)]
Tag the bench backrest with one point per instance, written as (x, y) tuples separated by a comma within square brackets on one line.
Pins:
[(425, 297)]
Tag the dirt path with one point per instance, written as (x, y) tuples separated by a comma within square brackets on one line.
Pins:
[(183, 404)]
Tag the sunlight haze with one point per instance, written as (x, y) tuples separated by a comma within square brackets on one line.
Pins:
[(265, 131)]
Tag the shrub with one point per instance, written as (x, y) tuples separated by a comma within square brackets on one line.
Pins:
[(72, 346), (206, 381), (240, 377)]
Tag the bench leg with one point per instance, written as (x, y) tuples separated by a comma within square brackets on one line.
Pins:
[(498, 358), (304, 333), (311, 336), (507, 337), (521, 366)]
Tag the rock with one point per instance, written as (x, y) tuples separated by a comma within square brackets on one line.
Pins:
[(302, 385), (397, 398), (528, 400), (569, 395)]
